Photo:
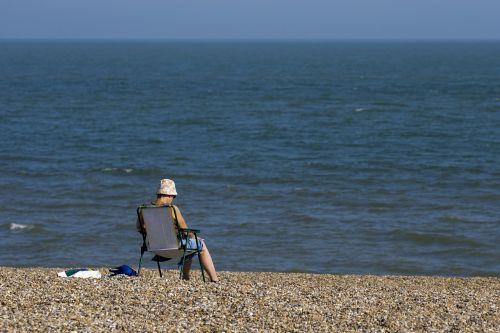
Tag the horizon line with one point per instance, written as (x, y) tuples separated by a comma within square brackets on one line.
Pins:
[(236, 40)]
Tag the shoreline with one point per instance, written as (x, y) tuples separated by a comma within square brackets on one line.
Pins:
[(35, 299)]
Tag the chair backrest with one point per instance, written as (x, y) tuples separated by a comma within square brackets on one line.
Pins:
[(160, 225)]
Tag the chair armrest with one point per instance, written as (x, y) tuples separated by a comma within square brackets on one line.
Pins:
[(189, 230)]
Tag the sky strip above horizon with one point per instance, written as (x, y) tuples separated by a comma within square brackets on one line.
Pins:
[(256, 19)]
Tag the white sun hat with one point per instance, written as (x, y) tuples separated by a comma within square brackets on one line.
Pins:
[(167, 187)]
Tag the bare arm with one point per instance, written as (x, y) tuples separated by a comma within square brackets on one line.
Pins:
[(180, 218), (182, 222)]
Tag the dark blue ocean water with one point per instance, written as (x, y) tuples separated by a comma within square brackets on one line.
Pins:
[(378, 158)]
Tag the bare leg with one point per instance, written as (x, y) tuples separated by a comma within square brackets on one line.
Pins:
[(208, 264)]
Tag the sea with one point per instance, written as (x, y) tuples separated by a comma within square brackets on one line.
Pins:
[(350, 157)]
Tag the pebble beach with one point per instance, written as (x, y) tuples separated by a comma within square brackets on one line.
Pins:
[(36, 299)]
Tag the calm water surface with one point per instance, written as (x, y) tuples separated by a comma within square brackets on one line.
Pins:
[(372, 158)]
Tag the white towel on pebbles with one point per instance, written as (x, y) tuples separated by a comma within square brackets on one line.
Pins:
[(82, 274)]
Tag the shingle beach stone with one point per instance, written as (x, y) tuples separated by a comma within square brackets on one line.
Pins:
[(36, 299)]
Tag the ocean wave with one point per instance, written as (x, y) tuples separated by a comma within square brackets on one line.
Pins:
[(129, 170), (435, 238), (20, 227), (454, 218), (118, 170)]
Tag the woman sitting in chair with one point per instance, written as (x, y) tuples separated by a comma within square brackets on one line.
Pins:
[(165, 195)]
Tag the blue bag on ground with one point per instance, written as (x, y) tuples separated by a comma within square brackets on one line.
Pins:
[(123, 269)]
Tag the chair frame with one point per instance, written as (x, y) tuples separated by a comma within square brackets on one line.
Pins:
[(182, 234)]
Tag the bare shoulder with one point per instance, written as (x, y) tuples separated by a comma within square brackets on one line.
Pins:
[(176, 209)]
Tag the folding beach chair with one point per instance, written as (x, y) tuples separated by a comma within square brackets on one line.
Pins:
[(162, 235)]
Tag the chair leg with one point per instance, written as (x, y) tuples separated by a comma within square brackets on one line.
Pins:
[(181, 269), (140, 264), (144, 248), (201, 267), (159, 269), (183, 262)]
